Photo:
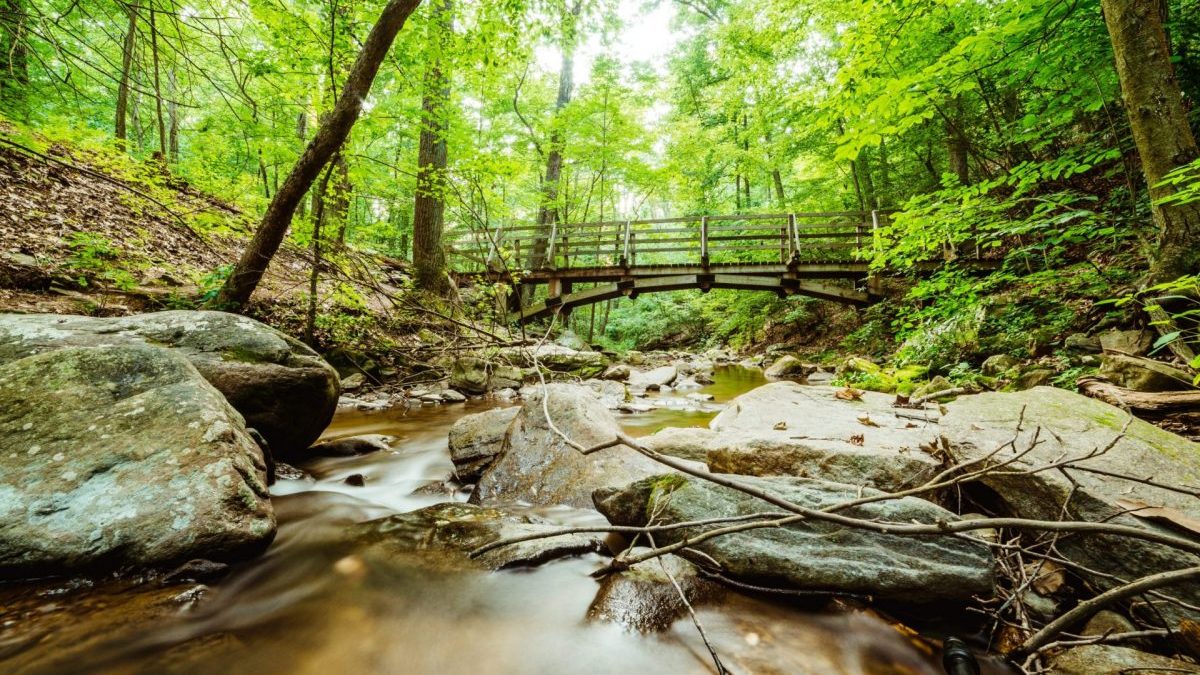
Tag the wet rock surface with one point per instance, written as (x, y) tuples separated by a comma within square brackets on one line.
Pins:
[(475, 440), (444, 535), (126, 457), (537, 466), (644, 598), (1068, 427), (812, 555), (1113, 660), (283, 388)]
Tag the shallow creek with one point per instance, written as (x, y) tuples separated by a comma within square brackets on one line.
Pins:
[(306, 607)]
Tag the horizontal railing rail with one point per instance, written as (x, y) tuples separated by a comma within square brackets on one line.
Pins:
[(767, 238)]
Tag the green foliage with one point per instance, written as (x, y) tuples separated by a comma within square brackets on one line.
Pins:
[(95, 259)]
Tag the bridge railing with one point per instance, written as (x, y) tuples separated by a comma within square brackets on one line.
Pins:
[(689, 240)]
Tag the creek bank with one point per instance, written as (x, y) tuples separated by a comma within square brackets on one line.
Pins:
[(125, 457)]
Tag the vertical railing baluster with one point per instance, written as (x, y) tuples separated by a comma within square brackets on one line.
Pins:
[(704, 241), (626, 254), (553, 236)]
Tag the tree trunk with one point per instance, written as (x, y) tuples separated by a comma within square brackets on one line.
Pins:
[(548, 211), (329, 138), (173, 116), (338, 204), (957, 146), (777, 178), (14, 80), (158, 99), (314, 276), (121, 131), (1160, 127), (429, 206)]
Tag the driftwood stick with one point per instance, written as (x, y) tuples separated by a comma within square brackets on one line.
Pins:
[(1087, 608)]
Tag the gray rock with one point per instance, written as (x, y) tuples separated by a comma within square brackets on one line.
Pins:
[(812, 555), (1068, 426), (785, 428), (475, 375), (1082, 343), (283, 389), (570, 340), (451, 396), (1110, 660), (538, 467), (998, 364), (347, 447), (684, 442), (1107, 621), (644, 599), (475, 440), (123, 456), (1141, 374), (1130, 342), (619, 373), (354, 381), (1035, 377), (657, 378), (938, 383), (634, 357), (443, 534), (789, 366), (612, 394)]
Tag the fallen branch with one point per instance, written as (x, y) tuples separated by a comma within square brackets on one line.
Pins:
[(1087, 608), (1152, 403)]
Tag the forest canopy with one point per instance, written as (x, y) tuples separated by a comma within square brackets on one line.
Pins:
[(1002, 127)]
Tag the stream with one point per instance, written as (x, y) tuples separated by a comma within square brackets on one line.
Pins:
[(306, 607)]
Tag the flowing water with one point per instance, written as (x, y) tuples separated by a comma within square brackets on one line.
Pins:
[(306, 606)]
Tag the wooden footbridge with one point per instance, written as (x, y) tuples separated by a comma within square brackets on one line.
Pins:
[(822, 255)]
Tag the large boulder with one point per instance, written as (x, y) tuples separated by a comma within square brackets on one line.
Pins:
[(475, 440), (785, 428), (811, 555), (1141, 374), (537, 466), (1105, 484), (285, 390), (1130, 342), (1114, 660), (475, 375), (123, 456)]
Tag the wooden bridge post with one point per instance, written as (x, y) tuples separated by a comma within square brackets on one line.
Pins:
[(704, 241), (550, 250), (626, 257), (785, 232), (874, 280)]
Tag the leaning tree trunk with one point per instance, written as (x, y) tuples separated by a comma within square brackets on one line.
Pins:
[(1160, 126), (121, 130), (333, 132), (429, 206)]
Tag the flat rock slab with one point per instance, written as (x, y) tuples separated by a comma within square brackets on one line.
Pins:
[(123, 456), (1067, 426), (812, 555), (536, 466), (443, 535), (283, 388), (788, 429)]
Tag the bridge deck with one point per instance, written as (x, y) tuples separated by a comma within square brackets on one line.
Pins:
[(787, 253)]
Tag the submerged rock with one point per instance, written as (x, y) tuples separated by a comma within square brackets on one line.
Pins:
[(644, 599), (284, 389), (538, 467), (475, 440), (350, 446), (123, 456), (1068, 426), (814, 556), (443, 534)]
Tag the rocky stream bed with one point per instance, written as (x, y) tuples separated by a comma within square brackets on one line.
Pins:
[(138, 532)]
